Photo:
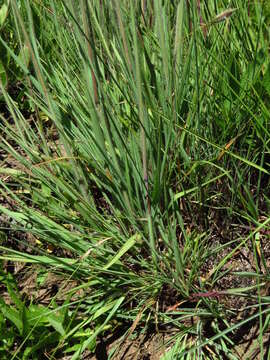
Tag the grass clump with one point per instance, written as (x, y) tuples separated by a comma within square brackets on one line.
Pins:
[(139, 173)]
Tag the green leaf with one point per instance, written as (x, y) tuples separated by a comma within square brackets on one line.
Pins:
[(188, 191), (103, 310), (73, 348), (3, 14), (12, 315), (46, 191), (24, 55), (45, 339), (56, 323), (130, 242), (266, 80), (15, 297), (3, 75), (37, 314), (99, 329)]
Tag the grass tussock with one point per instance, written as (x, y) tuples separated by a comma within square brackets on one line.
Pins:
[(135, 167)]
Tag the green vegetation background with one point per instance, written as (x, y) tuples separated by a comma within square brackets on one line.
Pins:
[(135, 154)]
